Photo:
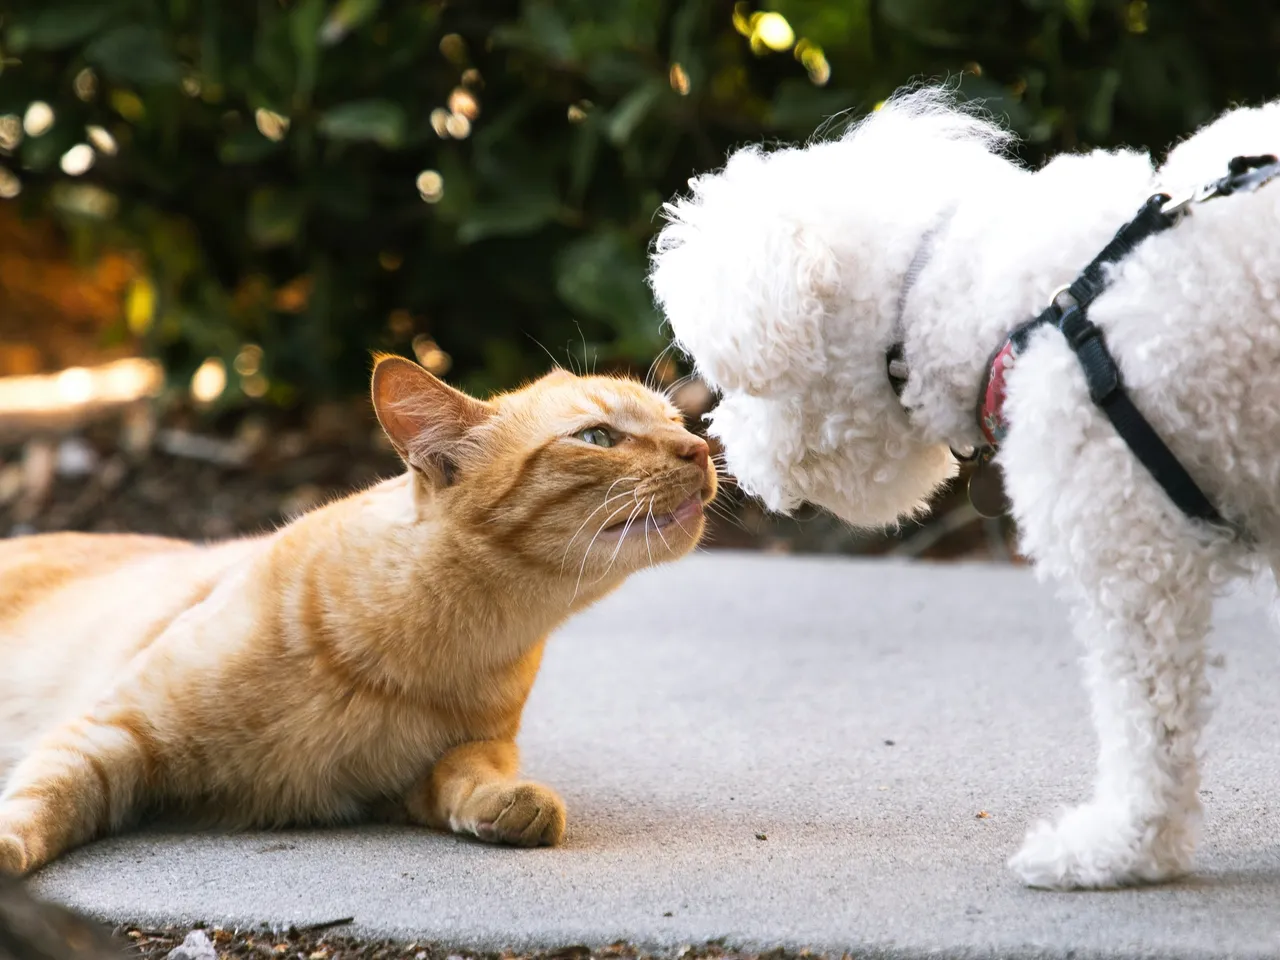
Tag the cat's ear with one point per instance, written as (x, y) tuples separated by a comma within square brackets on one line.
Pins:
[(425, 419)]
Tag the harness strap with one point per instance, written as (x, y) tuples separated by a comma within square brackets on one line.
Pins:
[(1069, 313)]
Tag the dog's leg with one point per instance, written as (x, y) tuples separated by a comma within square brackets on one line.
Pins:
[(1142, 610)]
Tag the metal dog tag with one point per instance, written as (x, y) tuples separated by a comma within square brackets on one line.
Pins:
[(986, 491)]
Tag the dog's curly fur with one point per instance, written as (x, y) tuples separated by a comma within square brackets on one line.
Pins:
[(781, 276)]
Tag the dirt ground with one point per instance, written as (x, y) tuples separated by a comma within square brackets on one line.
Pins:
[(32, 929), (295, 944)]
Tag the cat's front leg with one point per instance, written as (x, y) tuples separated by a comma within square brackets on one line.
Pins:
[(82, 780), (472, 789)]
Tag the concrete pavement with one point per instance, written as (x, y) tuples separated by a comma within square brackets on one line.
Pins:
[(779, 751)]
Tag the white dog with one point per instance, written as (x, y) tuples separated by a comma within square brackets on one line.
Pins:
[(790, 275)]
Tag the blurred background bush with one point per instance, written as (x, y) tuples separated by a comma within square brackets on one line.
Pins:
[(315, 179), (259, 193)]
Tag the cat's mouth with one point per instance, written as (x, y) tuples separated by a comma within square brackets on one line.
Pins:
[(690, 509)]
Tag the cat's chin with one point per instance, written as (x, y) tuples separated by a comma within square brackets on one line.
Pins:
[(659, 523)]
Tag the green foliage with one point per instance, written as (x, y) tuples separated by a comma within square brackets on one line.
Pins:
[(314, 176)]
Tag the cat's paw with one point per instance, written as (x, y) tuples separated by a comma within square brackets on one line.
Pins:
[(13, 856), (1099, 847), (520, 814)]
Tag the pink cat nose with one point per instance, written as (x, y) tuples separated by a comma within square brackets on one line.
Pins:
[(696, 451)]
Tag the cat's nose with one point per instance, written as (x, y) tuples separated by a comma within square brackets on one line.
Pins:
[(695, 450)]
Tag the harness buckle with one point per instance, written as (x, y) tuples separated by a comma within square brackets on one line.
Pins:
[(1175, 209), (1062, 293)]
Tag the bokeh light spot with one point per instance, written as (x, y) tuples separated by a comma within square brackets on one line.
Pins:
[(38, 118), (102, 140), (430, 355), (128, 105), (74, 385), (270, 124), (10, 132), (249, 360), (453, 47), (209, 381), (400, 323), (679, 79), (464, 103), (430, 186), (255, 385), (815, 62), (85, 84), (77, 160), (1135, 16), (773, 31), (458, 126), (140, 306), (440, 122)]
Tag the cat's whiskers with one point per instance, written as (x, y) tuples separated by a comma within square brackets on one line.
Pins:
[(725, 514), (587, 367), (555, 364), (622, 538), (722, 472), (683, 528), (670, 390), (665, 541), (607, 499), (601, 529), (649, 522), (653, 367)]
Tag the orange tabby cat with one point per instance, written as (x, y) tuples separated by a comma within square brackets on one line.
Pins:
[(375, 652)]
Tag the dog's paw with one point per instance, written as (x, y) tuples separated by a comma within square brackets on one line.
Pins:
[(1096, 847), (520, 814)]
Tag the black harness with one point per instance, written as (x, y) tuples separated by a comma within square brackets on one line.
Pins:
[(1068, 312)]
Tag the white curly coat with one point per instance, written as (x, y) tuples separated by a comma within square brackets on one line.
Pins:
[(781, 275)]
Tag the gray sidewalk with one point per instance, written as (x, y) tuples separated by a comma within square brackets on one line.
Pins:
[(780, 751)]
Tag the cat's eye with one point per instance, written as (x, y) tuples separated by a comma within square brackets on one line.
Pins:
[(596, 436)]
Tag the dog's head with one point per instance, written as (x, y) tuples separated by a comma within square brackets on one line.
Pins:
[(780, 276)]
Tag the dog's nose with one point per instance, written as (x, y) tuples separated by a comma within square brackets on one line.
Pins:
[(695, 450)]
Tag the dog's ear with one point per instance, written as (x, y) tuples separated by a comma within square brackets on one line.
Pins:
[(746, 284)]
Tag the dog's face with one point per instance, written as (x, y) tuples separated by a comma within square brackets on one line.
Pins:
[(780, 276)]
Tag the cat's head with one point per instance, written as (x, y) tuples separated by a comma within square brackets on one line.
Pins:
[(577, 477)]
